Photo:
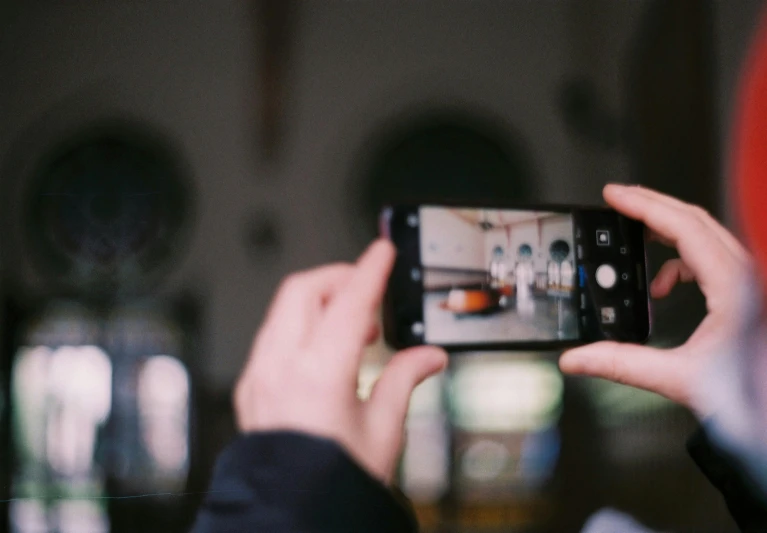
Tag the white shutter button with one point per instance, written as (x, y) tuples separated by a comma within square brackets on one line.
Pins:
[(606, 276)]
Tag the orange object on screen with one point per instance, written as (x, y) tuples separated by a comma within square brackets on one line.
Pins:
[(750, 155)]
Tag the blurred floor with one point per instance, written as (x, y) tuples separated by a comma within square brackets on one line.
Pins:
[(540, 322)]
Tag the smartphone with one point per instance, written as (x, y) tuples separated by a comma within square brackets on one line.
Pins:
[(471, 277)]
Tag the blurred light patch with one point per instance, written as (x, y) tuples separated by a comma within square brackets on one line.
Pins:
[(163, 398), (505, 411), (369, 374), (79, 401), (62, 397), (29, 396), (425, 469), (485, 460), (505, 395), (80, 517), (28, 516)]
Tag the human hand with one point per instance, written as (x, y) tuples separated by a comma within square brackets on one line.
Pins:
[(303, 369), (709, 255)]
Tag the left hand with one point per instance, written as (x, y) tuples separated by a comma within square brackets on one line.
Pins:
[(303, 370)]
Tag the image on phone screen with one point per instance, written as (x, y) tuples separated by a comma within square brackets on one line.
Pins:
[(497, 275)]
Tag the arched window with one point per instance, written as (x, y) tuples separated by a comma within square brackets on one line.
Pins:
[(98, 222), (443, 154)]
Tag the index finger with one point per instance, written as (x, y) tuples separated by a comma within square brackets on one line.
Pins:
[(698, 245), (298, 303), (345, 326), (727, 238)]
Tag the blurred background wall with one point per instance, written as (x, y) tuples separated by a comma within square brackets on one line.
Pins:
[(590, 91), (191, 68)]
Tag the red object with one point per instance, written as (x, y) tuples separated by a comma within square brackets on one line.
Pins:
[(750, 150)]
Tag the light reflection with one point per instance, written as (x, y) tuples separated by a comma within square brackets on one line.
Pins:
[(163, 400), (61, 399), (485, 460), (81, 517), (28, 516), (80, 399), (506, 395)]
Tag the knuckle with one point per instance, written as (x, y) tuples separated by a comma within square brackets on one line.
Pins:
[(704, 218), (617, 367), (292, 283), (700, 212), (699, 224)]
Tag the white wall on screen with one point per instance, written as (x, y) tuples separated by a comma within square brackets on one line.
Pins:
[(552, 228), (448, 241)]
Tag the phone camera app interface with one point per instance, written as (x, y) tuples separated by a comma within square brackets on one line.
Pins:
[(496, 275)]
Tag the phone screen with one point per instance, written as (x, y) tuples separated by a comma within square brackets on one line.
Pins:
[(494, 275), (479, 276)]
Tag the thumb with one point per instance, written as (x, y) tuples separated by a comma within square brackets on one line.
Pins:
[(390, 398), (642, 367)]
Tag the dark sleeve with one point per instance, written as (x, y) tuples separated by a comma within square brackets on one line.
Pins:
[(745, 501), (286, 482)]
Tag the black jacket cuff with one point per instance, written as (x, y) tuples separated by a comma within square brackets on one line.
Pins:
[(744, 500), (285, 482)]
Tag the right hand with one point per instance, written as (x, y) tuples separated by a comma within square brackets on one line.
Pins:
[(709, 255)]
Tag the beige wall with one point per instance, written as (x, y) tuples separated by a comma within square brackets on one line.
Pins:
[(448, 241)]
